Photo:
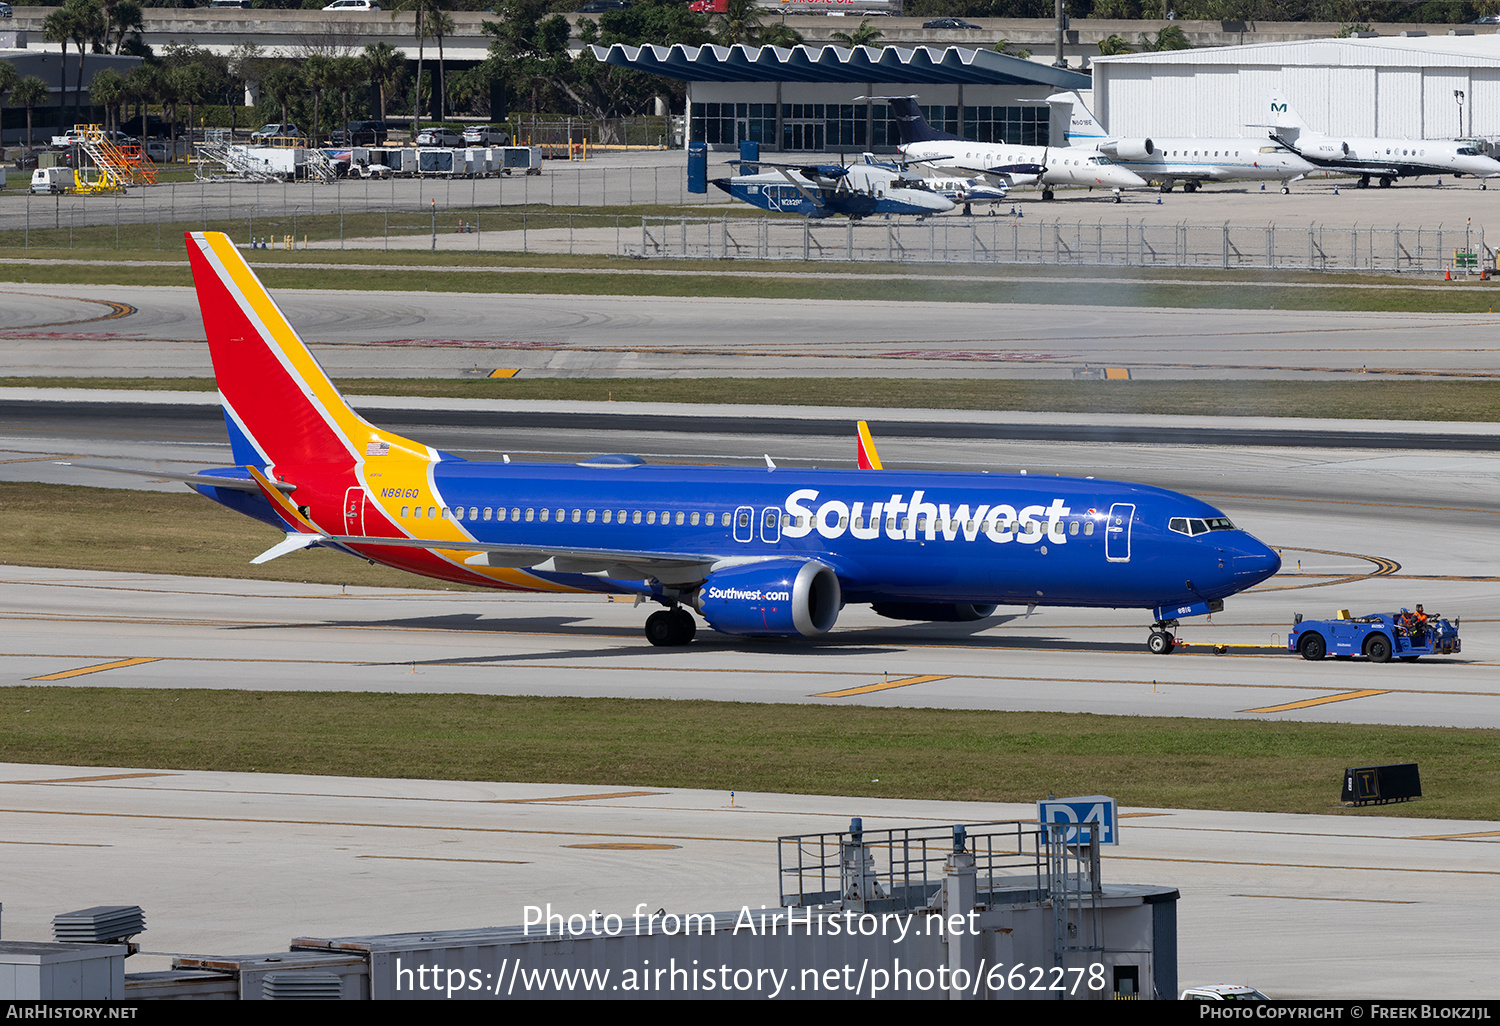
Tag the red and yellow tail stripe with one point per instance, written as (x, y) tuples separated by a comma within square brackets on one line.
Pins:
[(869, 458)]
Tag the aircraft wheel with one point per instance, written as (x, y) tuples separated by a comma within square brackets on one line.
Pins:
[(1378, 649), (1313, 647), (1160, 643), (1166, 186), (1189, 186), (1285, 190), (1047, 194), (667, 629), (1119, 198), (1385, 183), (1364, 181), (1482, 186), (687, 627)]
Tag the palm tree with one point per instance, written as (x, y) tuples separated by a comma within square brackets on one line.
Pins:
[(315, 75), (778, 34), (282, 83), (58, 28), (440, 24), (29, 92), (107, 90), (385, 64), (344, 74), (121, 19), (739, 23), (8, 79), (865, 35), (422, 29)]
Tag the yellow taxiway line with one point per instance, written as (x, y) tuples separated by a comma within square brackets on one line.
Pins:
[(884, 685), (1308, 703), (117, 664)]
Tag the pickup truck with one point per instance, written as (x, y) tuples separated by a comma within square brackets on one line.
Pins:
[(1379, 637)]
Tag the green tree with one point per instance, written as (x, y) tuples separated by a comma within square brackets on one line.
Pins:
[(316, 77), (107, 90), (739, 23), (9, 77), (29, 92), (123, 22), (284, 85), (778, 34), (1169, 38), (384, 64), (345, 74), (1113, 44), (865, 35), (421, 29), (440, 24)]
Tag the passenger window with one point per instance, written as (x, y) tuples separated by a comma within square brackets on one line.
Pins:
[(1073, 528), (488, 512), (431, 513), (695, 520), (636, 517), (458, 514), (515, 513), (531, 514), (590, 516), (578, 516), (474, 512), (620, 516), (651, 517), (405, 512), (744, 519), (1088, 528), (609, 515), (680, 518), (561, 516)]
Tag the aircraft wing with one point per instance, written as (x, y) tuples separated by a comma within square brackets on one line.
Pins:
[(627, 564), (812, 196)]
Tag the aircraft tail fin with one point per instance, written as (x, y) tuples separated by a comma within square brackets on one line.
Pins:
[(1281, 115), (911, 126), (869, 458), (1083, 127), (279, 405)]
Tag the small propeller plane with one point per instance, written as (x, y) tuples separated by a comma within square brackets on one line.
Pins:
[(826, 190), (967, 191)]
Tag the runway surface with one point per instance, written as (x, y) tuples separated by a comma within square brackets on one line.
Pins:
[(1344, 905), (157, 332)]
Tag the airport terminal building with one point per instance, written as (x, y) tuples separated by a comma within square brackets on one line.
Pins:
[(811, 99)]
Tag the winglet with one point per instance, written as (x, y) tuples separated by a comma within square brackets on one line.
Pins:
[(869, 458)]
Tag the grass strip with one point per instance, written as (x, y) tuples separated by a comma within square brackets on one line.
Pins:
[(113, 529), (1361, 397), (969, 755)]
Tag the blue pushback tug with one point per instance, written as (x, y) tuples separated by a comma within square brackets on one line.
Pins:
[(1379, 637)]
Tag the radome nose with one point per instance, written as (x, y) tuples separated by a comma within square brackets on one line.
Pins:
[(1252, 563)]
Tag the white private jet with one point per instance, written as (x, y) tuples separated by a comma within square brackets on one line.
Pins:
[(1385, 159), (1187, 160), (1013, 164)]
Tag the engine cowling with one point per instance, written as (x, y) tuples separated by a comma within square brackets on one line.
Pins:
[(1133, 149), (935, 612), (778, 597)]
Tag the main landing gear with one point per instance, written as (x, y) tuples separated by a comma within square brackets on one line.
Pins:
[(1162, 641), (670, 627)]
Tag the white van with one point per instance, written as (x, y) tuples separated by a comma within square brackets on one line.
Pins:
[(52, 180)]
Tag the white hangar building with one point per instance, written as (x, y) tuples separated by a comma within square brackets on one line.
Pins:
[(1408, 86)]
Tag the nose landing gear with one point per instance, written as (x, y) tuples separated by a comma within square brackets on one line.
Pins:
[(1161, 640)]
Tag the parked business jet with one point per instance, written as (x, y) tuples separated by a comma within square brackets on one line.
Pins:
[(1385, 159), (752, 551), (1186, 160), (823, 190), (1014, 165)]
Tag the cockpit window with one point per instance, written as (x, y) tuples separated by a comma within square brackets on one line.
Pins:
[(1194, 526)]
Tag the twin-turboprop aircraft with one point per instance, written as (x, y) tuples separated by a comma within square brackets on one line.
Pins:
[(752, 551)]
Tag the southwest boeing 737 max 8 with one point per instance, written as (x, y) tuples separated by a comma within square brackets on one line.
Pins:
[(754, 552)]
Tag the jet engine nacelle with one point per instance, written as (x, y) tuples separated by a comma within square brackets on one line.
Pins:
[(780, 597), (1133, 149), (936, 612)]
